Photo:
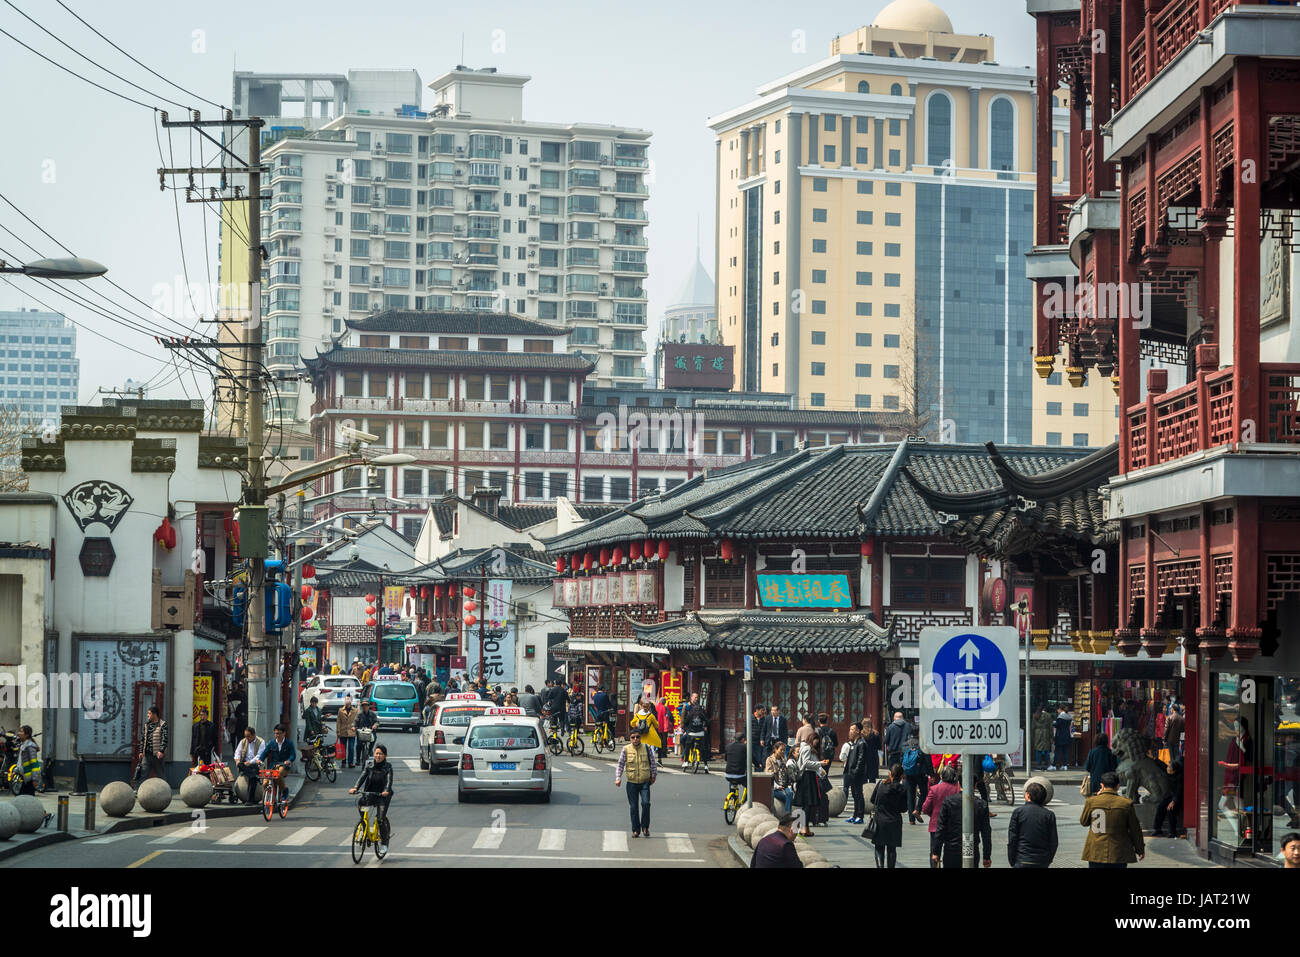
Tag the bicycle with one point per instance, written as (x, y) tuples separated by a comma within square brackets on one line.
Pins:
[(693, 756), (318, 760), (575, 744), (737, 795), (1004, 781), (368, 830), (554, 743), (602, 737), (274, 795), (365, 745)]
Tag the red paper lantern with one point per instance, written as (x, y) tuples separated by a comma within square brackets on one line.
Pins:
[(424, 592), (648, 549), (370, 599), (165, 535), (867, 548), (726, 549), (663, 549), (635, 549), (471, 620), (308, 571), (604, 557), (468, 591), (618, 555), (453, 591), (586, 562), (411, 591), (371, 610), (438, 591), (470, 605), (306, 614), (306, 593), (371, 622), (559, 566)]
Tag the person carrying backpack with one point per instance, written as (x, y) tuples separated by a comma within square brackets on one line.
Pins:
[(916, 777), (830, 744)]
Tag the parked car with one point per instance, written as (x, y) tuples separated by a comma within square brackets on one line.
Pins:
[(331, 690)]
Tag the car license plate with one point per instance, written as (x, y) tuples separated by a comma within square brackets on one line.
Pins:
[(503, 765)]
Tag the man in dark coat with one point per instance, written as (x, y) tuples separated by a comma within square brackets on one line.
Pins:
[(1062, 735), (1031, 833), (756, 735), (1172, 806), (777, 849), (947, 833), (203, 739), (774, 729), (896, 736)]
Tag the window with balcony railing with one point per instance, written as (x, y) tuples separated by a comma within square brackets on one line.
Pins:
[(580, 257), (580, 309), (582, 151), (584, 178), (580, 283), (584, 203), (628, 368), (444, 142), (630, 312), (485, 145), (397, 223), (396, 170)]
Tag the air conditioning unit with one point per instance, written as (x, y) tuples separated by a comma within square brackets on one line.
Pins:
[(532, 266), (456, 258), (459, 172), (331, 177), (329, 283), (525, 609), (376, 179), (607, 189), (377, 148), (376, 230), (532, 210), (460, 151), (532, 253)]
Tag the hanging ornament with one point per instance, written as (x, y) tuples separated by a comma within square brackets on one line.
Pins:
[(439, 591), (468, 591), (604, 557), (648, 549), (559, 566), (471, 605), (586, 562), (370, 599), (618, 555), (308, 571), (424, 592), (471, 620), (635, 549), (663, 549), (453, 591), (306, 614), (306, 593), (371, 622), (371, 610), (165, 535), (411, 591), (727, 550)]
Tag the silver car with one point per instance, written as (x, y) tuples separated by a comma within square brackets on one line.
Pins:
[(331, 690), (504, 751), (442, 737)]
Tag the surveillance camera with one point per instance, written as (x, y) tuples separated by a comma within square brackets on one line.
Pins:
[(356, 435)]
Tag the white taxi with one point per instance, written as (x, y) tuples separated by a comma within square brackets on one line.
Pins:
[(442, 737), (504, 751)]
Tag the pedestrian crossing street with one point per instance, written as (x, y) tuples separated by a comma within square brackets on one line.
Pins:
[(448, 841)]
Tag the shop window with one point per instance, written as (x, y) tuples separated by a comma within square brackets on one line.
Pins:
[(724, 584), (927, 583)]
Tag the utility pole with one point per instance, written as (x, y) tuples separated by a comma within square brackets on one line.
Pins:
[(482, 611), (263, 678)]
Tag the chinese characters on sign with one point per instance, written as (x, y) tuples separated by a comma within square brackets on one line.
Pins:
[(123, 663), (498, 655), (804, 591), (694, 366)]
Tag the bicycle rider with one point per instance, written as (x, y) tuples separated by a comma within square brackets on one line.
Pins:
[(575, 713), (279, 756), (695, 721), (369, 720), (735, 770), (313, 728), (602, 711), (376, 782)]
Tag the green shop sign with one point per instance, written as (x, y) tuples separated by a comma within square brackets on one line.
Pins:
[(804, 591)]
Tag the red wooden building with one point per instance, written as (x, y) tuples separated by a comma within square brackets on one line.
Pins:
[(1178, 230)]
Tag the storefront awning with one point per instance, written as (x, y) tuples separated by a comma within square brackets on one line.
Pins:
[(613, 646), (208, 644), (756, 632)]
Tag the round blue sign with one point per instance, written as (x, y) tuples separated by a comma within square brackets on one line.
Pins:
[(969, 672)]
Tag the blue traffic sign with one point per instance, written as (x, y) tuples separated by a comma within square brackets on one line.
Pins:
[(969, 672)]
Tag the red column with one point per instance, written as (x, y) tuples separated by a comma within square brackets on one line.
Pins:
[(1043, 160), (1130, 367), (877, 582), (1102, 173), (1245, 567), (1249, 149)]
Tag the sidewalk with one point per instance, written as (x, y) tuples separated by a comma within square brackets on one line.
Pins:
[(841, 843), (177, 812)]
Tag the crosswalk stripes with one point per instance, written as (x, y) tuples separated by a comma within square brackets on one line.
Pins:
[(110, 838), (552, 839), (581, 766), (242, 834), (490, 838), (426, 837), (176, 836), (413, 764), (614, 842), (680, 844), (301, 836)]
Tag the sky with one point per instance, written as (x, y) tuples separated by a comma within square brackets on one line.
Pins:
[(83, 163)]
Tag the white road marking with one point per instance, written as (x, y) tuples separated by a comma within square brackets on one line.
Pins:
[(490, 838), (242, 834), (177, 835), (581, 766), (552, 839), (413, 764), (680, 844), (615, 842), (449, 854), (301, 836), (427, 837), (109, 839)]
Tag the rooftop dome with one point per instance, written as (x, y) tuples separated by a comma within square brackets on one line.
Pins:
[(913, 15)]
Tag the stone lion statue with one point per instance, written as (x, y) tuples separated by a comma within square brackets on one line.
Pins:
[(1137, 769)]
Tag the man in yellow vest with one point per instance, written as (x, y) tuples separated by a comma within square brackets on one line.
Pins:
[(637, 763)]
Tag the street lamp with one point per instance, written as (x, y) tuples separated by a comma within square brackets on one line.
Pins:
[(70, 267)]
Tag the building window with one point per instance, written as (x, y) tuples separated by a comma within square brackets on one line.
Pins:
[(593, 488), (1053, 408), (819, 307), (1002, 135), (861, 401), (864, 249), (860, 156), (724, 584), (1080, 440), (819, 275), (620, 489), (863, 308), (938, 122), (893, 189), (891, 341), (893, 279), (866, 186), (819, 368), (1053, 438), (891, 402), (893, 219), (819, 184), (819, 215), (891, 372), (862, 340), (927, 582), (895, 159), (865, 217), (819, 245), (864, 278), (1054, 379), (818, 338), (863, 370), (1081, 408), (817, 399)]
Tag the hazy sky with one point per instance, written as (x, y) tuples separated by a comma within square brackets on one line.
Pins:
[(83, 163)]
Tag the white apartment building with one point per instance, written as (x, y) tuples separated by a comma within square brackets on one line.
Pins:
[(466, 206)]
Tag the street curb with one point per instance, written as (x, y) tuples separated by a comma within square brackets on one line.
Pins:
[(120, 825), (742, 852)]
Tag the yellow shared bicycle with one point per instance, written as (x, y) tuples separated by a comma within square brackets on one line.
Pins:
[(737, 795), (369, 830)]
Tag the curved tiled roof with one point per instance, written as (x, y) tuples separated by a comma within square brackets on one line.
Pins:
[(757, 631), (451, 359), (456, 322)]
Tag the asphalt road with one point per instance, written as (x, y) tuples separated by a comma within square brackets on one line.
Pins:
[(585, 824)]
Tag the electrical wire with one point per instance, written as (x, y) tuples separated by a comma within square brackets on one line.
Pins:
[(137, 62), (122, 96)]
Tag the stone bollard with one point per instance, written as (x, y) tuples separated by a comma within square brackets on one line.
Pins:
[(764, 828), (31, 813), (196, 791), (154, 795), (753, 823), (117, 799), (838, 799), (1037, 779), (240, 790), (10, 820), (63, 813)]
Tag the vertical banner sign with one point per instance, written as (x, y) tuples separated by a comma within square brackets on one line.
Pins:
[(671, 683), (571, 593), (584, 592), (202, 694), (645, 586), (1023, 610), (498, 654), (498, 605), (600, 590), (393, 604), (630, 593), (614, 584), (635, 678), (557, 593)]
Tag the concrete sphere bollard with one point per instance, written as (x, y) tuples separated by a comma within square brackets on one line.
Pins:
[(31, 813), (743, 815), (822, 863), (117, 799), (1037, 779), (241, 789), (154, 795), (752, 824), (10, 819), (838, 798), (765, 827), (806, 853), (196, 791)]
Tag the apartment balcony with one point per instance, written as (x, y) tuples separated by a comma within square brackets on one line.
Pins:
[(633, 267), (281, 280), (482, 208), (631, 190), (631, 215), (637, 242), (630, 163), (286, 172), (482, 232), (483, 260), (490, 182), (1175, 27), (290, 252), (285, 199), (1199, 416), (547, 457), (629, 293), (286, 227)]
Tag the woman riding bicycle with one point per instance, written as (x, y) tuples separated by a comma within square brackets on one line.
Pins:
[(376, 785)]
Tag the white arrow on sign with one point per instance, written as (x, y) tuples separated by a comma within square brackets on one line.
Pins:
[(969, 652)]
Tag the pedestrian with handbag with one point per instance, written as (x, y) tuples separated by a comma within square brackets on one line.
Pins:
[(807, 795), (823, 783), (889, 801), (934, 801), (345, 729), (646, 723)]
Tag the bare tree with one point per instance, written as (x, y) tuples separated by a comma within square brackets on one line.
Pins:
[(14, 427), (918, 383)]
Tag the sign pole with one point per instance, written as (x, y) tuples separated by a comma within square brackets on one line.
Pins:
[(749, 738), (968, 811), (1028, 745)]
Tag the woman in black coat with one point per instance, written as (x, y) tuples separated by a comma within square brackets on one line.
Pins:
[(871, 764), (1100, 760), (890, 801)]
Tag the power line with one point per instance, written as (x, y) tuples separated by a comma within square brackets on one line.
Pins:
[(65, 69), (134, 60), (98, 66)]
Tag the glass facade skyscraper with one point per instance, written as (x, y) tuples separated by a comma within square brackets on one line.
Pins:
[(41, 370)]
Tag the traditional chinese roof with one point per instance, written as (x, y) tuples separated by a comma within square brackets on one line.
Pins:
[(455, 322), (759, 632), (338, 356), (1018, 513), (765, 417), (522, 564), (844, 492)]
